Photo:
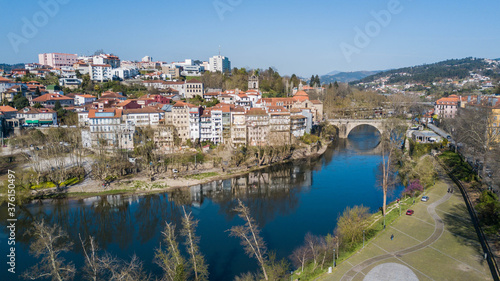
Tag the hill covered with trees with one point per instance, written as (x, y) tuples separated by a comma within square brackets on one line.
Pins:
[(455, 69)]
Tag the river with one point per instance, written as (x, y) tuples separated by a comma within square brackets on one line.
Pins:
[(287, 201)]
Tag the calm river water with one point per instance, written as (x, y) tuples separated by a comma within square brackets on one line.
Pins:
[(286, 200)]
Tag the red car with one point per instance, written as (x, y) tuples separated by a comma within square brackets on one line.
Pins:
[(409, 212)]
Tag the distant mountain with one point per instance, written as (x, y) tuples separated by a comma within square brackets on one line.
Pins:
[(9, 67), (454, 69), (333, 72), (345, 77)]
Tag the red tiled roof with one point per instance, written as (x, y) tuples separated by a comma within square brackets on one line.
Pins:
[(148, 109), (32, 110), (5, 80), (194, 80), (256, 111), (86, 96), (48, 97), (117, 112), (6, 108), (182, 104)]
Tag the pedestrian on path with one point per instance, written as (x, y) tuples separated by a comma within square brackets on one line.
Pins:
[(392, 236)]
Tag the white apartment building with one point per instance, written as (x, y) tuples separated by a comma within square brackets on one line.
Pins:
[(106, 129), (146, 116), (38, 116), (243, 100), (211, 126), (81, 99), (187, 89), (124, 72), (100, 72), (216, 122), (112, 60), (219, 63), (194, 123), (57, 60), (82, 67)]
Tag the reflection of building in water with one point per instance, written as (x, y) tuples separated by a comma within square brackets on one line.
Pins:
[(196, 195), (270, 181), (111, 201)]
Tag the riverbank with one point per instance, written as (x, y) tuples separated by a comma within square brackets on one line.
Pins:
[(437, 242), (141, 184)]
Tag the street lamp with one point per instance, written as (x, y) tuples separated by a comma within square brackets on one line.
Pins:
[(334, 257), (399, 203), (291, 275), (363, 238)]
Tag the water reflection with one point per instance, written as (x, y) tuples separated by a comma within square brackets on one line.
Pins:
[(303, 196)]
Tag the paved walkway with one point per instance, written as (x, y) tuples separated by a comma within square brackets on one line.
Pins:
[(432, 247)]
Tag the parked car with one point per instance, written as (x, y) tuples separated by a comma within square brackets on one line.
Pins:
[(175, 170), (425, 198), (409, 212)]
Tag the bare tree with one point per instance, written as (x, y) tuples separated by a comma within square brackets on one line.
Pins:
[(312, 243), (300, 256), (118, 270), (196, 259), (478, 129), (390, 141), (170, 259), (107, 267), (93, 267), (250, 237), (49, 242)]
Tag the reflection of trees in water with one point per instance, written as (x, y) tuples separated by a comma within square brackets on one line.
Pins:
[(268, 193), (152, 212), (107, 218)]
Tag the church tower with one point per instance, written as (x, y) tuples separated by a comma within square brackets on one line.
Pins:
[(253, 82)]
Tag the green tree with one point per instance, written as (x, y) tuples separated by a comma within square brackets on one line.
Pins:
[(317, 81), (20, 101), (37, 105), (489, 208), (350, 225), (312, 80), (57, 106)]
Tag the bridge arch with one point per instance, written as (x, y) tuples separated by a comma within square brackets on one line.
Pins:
[(345, 126), (378, 128)]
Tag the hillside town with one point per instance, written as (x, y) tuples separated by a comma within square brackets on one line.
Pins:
[(235, 117)]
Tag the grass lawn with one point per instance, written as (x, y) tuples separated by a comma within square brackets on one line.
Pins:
[(202, 176)]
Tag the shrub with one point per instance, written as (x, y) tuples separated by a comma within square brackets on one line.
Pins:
[(414, 188)]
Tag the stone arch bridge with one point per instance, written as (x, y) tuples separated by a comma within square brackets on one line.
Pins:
[(345, 126)]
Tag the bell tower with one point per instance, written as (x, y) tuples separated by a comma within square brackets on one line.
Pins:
[(253, 82)]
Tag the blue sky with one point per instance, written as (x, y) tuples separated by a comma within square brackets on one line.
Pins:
[(302, 37)]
